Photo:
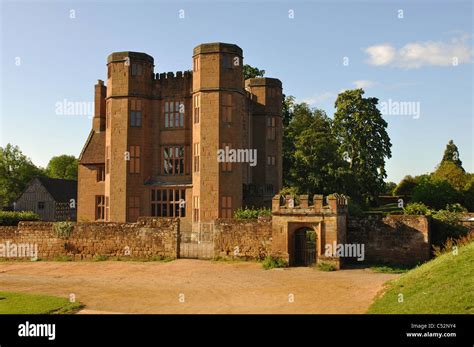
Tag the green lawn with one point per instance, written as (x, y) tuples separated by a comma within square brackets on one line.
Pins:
[(442, 285), (21, 303)]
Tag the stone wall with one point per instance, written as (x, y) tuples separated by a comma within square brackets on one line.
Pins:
[(393, 239), (149, 237), (248, 239)]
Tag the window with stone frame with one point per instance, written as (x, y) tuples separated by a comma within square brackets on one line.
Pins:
[(173, 160), (196, 155), (135, 113), (196, 104), (271, 128), (137, 69), (133, 208), (174, 114), (226, 108), (100, 171), (168, 202), (100, 207), (195, 209), (226, 166), (226, 207)]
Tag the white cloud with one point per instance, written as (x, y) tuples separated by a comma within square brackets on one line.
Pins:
[(380, 54), (364, 84), (319, 98), (418, 54)]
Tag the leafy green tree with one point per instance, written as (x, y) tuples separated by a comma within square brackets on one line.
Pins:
[(435, 193), (389, 188), (364, 142), (252, 72), (406, 186), (315, 164), (451, 154), (63, 166), (16, 170), (451, 172)]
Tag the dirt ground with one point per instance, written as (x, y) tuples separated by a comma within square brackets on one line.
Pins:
[(196, 286)]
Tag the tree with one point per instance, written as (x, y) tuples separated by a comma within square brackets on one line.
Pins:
[(452, 173), (314, 164), (451, 154), (252, 72), (406, 186), (364, 142), (435, 193), (16, 170), (389, 188), (63, 166)]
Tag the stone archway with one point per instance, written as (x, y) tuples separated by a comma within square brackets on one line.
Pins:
[(305, 247)]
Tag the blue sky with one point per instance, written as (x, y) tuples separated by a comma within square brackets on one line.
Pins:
[(48, 57)]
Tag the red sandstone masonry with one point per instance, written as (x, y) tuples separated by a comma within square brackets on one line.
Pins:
[(149, 237)]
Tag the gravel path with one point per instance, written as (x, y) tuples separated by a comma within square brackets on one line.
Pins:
[(196, 286)]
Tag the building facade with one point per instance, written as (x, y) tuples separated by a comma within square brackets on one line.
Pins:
[(196, 144), (51, 199)]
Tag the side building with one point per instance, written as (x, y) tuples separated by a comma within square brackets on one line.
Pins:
[(154, 145)]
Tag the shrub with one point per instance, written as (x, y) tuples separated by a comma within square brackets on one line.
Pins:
[(435, 193), (446, 224), (12, 218), (293, 191), (324, 266), (406, 186), (417, 208), (272, 262), (355, 209), (252, 213), (63, 229), (451, 243)]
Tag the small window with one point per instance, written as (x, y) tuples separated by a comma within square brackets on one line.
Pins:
[(137, 69), (100, 173), (226, 208), (135, 119), (41, 205)]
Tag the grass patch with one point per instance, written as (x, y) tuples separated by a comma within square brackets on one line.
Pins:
[(63, 258), (272, 263), (21, 303), (100, 257), (440, 286), (324, 266)]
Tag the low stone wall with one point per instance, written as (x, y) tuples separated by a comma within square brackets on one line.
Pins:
[(149, 237), (402, 239), (248, 239)]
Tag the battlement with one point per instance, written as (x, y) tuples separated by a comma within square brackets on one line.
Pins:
[(262, 82), (171, 75), (334, 203)]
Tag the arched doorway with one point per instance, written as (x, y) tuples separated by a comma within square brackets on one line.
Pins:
[(305, 247)]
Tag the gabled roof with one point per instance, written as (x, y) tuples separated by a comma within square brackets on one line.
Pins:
[(61, 190), (94, 149)]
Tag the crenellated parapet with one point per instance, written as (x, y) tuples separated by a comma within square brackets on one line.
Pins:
[(332, 204)]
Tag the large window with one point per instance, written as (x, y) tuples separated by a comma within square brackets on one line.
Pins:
[(174, 114), (100, 207), (168, 203), (173, 160), (134, 166)]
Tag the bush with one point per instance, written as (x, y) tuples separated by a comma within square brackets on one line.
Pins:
[(12, 218), (323, 266), (63, 229), (435, 193), (417, 208), (252, 213), (355, 209), (406, 186), (272, 262), (446, 224)]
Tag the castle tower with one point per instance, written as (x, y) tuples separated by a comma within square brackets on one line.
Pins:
[(129, 89), (266, 116), (217, 80)]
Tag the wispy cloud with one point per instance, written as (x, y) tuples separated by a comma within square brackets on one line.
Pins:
[(319, 98), (418, 54), (364, 84)]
